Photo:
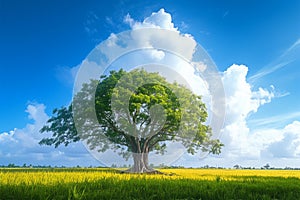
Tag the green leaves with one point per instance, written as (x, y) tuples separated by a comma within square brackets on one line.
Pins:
[(62, 126), (137, 112)]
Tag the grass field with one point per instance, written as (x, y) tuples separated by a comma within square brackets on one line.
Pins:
[(99, 183)]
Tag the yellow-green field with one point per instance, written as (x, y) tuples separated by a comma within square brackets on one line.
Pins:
[(102, 183)]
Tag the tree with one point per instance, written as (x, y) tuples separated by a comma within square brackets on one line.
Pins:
[(237, 166), (267, 166), (137, 112)]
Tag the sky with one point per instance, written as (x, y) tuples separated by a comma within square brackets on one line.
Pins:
[(254, 44)]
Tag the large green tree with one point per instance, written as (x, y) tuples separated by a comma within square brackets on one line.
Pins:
[(136, 112)]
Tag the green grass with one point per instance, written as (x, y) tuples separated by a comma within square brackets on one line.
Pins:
[(140, 187)]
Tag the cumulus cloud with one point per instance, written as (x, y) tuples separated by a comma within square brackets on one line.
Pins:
[(287, 145), (250, 147), (183, 44), (151, 44), (160, 19), (258, 146), (21, 146), (241, 101)]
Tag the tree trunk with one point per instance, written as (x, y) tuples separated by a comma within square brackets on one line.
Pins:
[(141, 165), (140, 160)]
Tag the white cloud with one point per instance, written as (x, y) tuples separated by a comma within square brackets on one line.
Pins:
[(154, 42), (288, 146), (157, 54), (240, 99), (160, 19), (253, 147), (245, 146), (182, 44), (21, 146)]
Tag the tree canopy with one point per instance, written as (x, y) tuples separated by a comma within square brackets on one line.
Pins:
[(136, 112)]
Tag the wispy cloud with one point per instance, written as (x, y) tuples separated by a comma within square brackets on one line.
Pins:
[(294, 46), (282, 61), (278, 119), (269, 69)]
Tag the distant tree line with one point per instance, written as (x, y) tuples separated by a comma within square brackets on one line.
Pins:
[(12, 165), (161, 166)]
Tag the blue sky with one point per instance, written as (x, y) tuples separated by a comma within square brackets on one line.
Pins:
[(42, 41)]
